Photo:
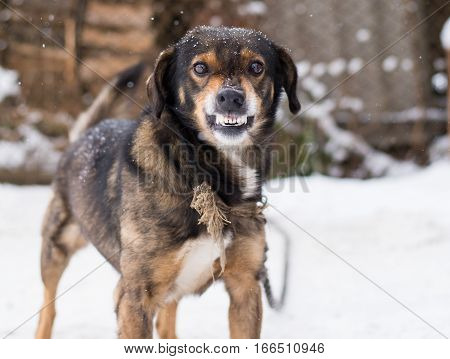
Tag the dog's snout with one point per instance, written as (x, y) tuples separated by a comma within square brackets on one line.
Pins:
[(230, 100)]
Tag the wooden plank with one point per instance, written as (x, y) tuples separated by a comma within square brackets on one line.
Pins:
[(43, 81), (25, 33), (38, 8), (70, 72), (124, 41), (118, 15), (33, 52)]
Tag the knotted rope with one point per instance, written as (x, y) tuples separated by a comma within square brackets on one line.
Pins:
[(215, 215)]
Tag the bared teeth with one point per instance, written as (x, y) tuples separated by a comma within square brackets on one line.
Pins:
[(231, 120)]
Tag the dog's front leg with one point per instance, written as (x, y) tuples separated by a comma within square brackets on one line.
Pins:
[(134, 312), (244, 260)]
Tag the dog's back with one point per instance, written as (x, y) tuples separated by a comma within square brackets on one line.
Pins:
[(88, 179), (88, 171)]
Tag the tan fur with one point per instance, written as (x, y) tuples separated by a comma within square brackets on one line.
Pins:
[(245, 260), (138, 304), (136, 297), (133, 318), (55, 260), (248, 55), (209, 58), (166, 321), (181, 95), (251, 94), (210, 89), (150, 158)]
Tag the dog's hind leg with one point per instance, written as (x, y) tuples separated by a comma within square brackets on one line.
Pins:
[(166, 321), (61, 238)]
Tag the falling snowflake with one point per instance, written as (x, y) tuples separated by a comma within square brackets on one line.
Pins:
[(390, 63), (363, 35)]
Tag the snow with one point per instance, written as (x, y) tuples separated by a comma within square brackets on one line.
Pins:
[(351, 103), (445, 35), (439, 81), (319, 69), (253, 8), (303, 68), (315, 87), (354, 65), (416, 114), (336, 67), (440, 148), (341, 142), (390, 63), (363, 35), (8, 83), (35, 150), (395, 230)]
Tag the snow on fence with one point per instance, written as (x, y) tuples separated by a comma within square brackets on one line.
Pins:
[(391, 97)]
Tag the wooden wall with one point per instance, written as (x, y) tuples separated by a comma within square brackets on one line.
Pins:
[(65, 48)]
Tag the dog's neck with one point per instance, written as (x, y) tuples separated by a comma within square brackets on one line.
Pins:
[(183, 161)]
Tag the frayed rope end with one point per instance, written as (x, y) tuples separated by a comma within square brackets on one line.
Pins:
[(212, 216)]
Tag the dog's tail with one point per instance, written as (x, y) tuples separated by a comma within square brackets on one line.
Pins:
[(109, 93)]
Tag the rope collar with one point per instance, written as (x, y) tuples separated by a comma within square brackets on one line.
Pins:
[(215, 214)]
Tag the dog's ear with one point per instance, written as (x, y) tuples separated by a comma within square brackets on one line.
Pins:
[(288, 73), (156, 87)]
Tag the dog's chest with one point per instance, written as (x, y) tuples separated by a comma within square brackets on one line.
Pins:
[(197, 257), (249, 178)]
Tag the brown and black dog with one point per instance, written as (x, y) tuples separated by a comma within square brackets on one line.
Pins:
[(127, 186)]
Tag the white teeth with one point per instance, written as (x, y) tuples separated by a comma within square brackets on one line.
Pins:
[(231, 121)]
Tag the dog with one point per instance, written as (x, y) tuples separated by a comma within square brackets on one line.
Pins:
[(173, 200)]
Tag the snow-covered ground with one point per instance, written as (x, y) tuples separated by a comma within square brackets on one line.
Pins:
[(395, 230)]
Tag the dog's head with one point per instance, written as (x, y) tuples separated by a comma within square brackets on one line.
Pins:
[(226, 81)]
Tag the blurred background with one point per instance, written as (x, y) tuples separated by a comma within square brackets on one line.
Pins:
[(390, 117), (373, 83)]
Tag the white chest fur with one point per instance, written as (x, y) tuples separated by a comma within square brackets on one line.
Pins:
[(197, 257), (250, 179), (248, 175)]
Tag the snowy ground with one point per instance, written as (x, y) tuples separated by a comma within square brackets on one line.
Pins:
[(394, 230)]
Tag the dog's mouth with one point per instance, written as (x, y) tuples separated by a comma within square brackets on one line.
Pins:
[(230, 124)]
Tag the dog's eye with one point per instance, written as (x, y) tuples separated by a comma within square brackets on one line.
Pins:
[(200, 68), (256, 68)]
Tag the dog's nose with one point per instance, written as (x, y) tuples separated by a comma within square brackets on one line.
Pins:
[(230, 100)]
